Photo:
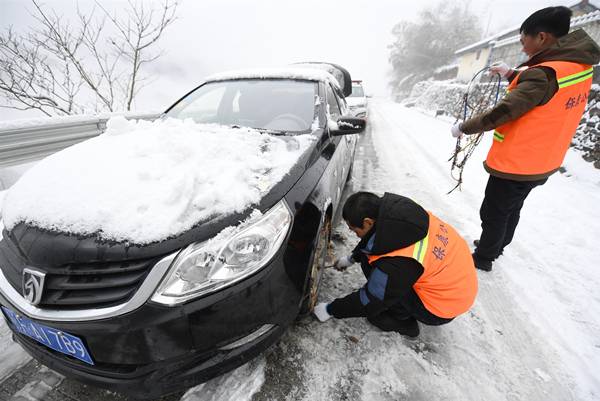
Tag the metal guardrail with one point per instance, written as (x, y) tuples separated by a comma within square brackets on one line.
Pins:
[(27, 144)]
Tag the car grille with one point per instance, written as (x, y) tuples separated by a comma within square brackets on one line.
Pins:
[(81, 285)]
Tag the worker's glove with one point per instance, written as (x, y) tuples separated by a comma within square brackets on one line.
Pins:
[(501, 68), (321, 313), (455, 130), (343, 263)]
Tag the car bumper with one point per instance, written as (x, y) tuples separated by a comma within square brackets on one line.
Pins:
[(156, 379), (157, 350)]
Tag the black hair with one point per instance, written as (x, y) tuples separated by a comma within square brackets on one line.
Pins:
[(359, 206), (554, 20)]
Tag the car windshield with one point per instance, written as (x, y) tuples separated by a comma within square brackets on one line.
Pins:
[(274, 104), (357, 91)]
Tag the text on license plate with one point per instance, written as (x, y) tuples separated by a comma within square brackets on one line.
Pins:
[(52, 338)]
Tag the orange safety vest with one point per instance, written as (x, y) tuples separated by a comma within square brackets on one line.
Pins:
[(536, 143), (448, 285)]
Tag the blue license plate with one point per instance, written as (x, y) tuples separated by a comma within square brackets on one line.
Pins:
[(57, 340)]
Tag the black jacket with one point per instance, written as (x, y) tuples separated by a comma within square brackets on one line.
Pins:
[(401, 222)]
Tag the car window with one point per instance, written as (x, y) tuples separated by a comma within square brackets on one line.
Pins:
[(342, 102), (357, 91), (202, 109), (272, 104), (332, 105)]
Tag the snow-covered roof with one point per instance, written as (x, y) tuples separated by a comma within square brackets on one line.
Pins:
[(486, 41), (594, 3), (577, 22), (305, 73), (145, 181)]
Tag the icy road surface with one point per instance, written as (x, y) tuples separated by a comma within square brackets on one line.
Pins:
[(533, 334)]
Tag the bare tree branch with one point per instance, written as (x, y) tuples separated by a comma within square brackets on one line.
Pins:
[(144, 33), (59, 66)]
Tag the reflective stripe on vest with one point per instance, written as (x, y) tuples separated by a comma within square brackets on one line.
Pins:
[(575, 78), (536, 143), (420, 249), (448, 285)]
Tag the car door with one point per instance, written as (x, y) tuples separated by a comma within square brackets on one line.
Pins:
[(335, 108)]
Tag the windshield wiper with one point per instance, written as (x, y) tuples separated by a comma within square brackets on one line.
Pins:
[(271, 131), (262, 130)]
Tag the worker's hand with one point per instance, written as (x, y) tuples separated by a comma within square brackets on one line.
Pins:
[(501, 68), (455, 130), (343, 263), (321, 313)]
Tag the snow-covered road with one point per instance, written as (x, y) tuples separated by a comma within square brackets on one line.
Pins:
[(533, 334)]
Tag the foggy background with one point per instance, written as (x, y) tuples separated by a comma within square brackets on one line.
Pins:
[(215, 35)]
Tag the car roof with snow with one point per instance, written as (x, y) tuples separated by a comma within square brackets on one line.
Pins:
[(308, 72)]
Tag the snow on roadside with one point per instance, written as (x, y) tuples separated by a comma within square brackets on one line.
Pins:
[(144, 181)]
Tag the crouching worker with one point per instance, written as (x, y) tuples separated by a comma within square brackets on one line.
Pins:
[(418, 268)]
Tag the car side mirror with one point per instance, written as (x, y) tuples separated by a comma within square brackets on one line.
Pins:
[(347, 126)]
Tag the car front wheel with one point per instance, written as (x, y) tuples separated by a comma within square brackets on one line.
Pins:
[(317, 267)]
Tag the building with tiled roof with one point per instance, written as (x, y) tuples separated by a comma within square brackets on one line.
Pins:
[(505, 45)]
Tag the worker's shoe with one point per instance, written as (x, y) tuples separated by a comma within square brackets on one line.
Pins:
[(482, 264), (387, 322), (409, 328)]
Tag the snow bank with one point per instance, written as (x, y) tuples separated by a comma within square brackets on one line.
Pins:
[(445, 96), (145, 181), (587, 137)]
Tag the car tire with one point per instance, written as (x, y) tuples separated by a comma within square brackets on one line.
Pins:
[(317, 266)]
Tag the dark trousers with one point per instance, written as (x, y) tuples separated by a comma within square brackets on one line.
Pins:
[(500, 213), (388, 317), (409, 307)]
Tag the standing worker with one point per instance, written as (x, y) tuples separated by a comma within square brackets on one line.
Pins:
[(534, 123), (418, 268)]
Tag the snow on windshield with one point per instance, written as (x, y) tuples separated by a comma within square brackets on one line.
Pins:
[(145, 181)]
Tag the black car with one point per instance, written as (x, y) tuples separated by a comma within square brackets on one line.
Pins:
[(129, 317)]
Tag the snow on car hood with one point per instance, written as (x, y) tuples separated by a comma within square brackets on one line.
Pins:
[(145, 181)]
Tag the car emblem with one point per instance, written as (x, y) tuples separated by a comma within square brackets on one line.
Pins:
[(33, 285)]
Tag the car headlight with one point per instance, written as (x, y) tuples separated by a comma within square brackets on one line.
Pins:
[(208, 266)]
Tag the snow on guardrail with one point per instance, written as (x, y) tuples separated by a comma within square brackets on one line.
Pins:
[(24, 141)]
